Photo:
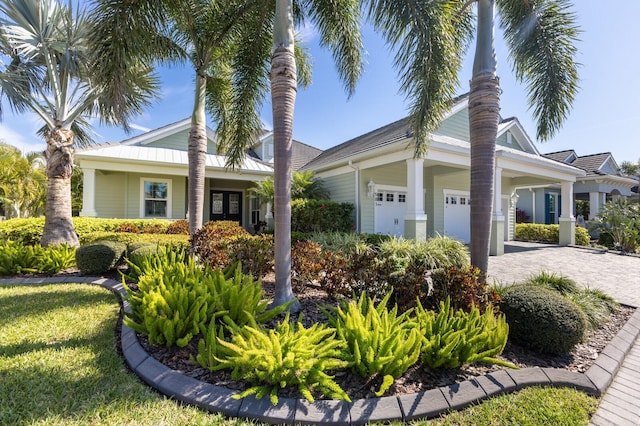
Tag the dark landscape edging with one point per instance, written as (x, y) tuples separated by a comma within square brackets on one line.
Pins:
[(421, 405)]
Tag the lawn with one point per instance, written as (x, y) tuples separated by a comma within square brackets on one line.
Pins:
[(59, 365)]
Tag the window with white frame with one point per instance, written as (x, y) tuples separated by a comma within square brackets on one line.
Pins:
[(155, 197), (255, 210)]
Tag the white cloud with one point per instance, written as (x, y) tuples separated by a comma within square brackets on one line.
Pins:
[(139, 127), (25, 141), (307, 33)]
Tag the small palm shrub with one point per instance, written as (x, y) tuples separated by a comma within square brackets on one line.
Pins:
[(542, 320), (99, 257), (379, 341), (463, 287), (455, 337), (288, 355)]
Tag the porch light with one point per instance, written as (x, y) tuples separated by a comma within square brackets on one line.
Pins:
[(371, 188)]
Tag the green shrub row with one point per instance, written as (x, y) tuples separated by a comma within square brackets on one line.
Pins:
[(548, 233), (18, 258), (321, 216), (175, 241)]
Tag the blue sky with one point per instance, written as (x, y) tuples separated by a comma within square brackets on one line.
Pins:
[(605, 116)]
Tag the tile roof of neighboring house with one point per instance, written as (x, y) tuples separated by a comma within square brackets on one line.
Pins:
[(592, 164)]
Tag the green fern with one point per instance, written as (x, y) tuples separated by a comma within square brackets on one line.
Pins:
[(288, 355), (455, 338), (379, 342)]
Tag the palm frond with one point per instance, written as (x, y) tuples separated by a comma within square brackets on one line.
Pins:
[(541, 36), (429, 39)]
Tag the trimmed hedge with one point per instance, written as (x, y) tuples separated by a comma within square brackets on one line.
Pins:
[(548, 233), (322, 216), (100, 257), (177, 241)]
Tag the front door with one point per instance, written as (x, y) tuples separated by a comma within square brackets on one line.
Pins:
[(226, 205)]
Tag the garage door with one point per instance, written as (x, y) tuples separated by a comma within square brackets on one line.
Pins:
[(390, 207), (457, 211)]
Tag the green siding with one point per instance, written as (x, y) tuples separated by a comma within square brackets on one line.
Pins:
[(456, 126), (110, 202), (180, 141), (342, 187), (502, 141), (394, 174)]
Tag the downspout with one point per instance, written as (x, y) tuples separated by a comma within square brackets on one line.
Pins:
[(357, 196)]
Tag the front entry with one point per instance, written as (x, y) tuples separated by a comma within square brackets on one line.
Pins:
[(226, 205)]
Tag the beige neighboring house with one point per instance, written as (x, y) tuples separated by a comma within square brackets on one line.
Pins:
[(397, 194), (146, 177)]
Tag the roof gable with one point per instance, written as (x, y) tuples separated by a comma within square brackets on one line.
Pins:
[(172, 136), (514, 136)]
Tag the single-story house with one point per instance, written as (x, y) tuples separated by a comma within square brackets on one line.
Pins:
[(146, 177), (393, 192), (602, 182)]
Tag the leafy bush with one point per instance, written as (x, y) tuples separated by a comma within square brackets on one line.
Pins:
[(548, 233), (16, 258), (211, 242), (99, 257), (594, 304), (463, 287), (308, 262), (321, 216), (254, 252), (542, 320), (453, 338), (434, 253), (345, 242), (621, 221), (127, 227), (177, 242), (288, 355), (379, 342), (179, 227)]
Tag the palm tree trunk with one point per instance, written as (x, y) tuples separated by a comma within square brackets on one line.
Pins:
[(58, 226), (197, 157), (283, 98), (484, 115)]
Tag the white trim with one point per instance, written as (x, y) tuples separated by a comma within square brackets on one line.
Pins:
[(390, 188), (169, 183), (455, 192)]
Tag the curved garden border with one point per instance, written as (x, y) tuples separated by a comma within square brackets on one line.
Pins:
[(426, 404)]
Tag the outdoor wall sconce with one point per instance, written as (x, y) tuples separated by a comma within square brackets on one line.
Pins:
[(371, 188)]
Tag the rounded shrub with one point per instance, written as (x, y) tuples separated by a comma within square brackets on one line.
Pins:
[(142, 249), (582, 236), (542, 320), (99, 257), (138, 244)]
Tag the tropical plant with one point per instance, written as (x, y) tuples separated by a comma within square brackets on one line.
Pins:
[(430, 39), (57, 71), (23, 182), (620, 220), (304, 186)]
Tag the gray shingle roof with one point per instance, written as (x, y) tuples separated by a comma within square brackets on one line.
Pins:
[(561, 156), (589, 163), (301, 154)]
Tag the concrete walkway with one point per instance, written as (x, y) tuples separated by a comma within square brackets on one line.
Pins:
[(615, 274)]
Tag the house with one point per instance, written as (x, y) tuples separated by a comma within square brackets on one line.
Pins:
[(602, 182), (393, 192)]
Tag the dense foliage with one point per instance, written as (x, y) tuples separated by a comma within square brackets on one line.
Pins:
[(618, 224), (321, 216), (99, 257), (17, 258), (548, 233)]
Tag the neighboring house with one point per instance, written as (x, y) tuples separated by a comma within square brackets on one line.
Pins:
[(146, 177), (395, 193), (602, 182)]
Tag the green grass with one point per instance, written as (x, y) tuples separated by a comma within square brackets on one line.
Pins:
[(59, 366)]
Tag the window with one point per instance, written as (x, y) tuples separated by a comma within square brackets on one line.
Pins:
[(402, 198), (463, 201), (454, 199), (255, 210), (378, 196), (390, 198), (155, 199)]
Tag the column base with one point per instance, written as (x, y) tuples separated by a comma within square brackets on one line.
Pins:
[(496, 247), (416, 228), (567, 235)]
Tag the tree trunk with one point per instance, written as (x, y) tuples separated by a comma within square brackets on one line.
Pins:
[(58, 226), (197, 157), (283, 97), (484, 115)]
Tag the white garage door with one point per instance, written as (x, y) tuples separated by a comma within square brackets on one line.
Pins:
[(457, 211), (390, 207)]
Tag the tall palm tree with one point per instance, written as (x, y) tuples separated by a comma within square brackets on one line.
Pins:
[(52, 71), (430, 38)]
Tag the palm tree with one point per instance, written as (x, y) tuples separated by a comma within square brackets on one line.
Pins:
[(430, 38), (23, 182), (53, 72), (304, 185)]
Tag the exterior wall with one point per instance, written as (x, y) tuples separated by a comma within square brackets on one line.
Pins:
[(342, 187), (525, 202), (609, 169), (109, 196), (180, 141), (456, 126), (178, 194), (503, 140)]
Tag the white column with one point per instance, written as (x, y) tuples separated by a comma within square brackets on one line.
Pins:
[(595, 203), (567, 220), (415, 219), (89, 193), (496, 246)]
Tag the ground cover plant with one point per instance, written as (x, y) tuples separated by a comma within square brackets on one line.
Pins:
[(19, 258), (68, 372)]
